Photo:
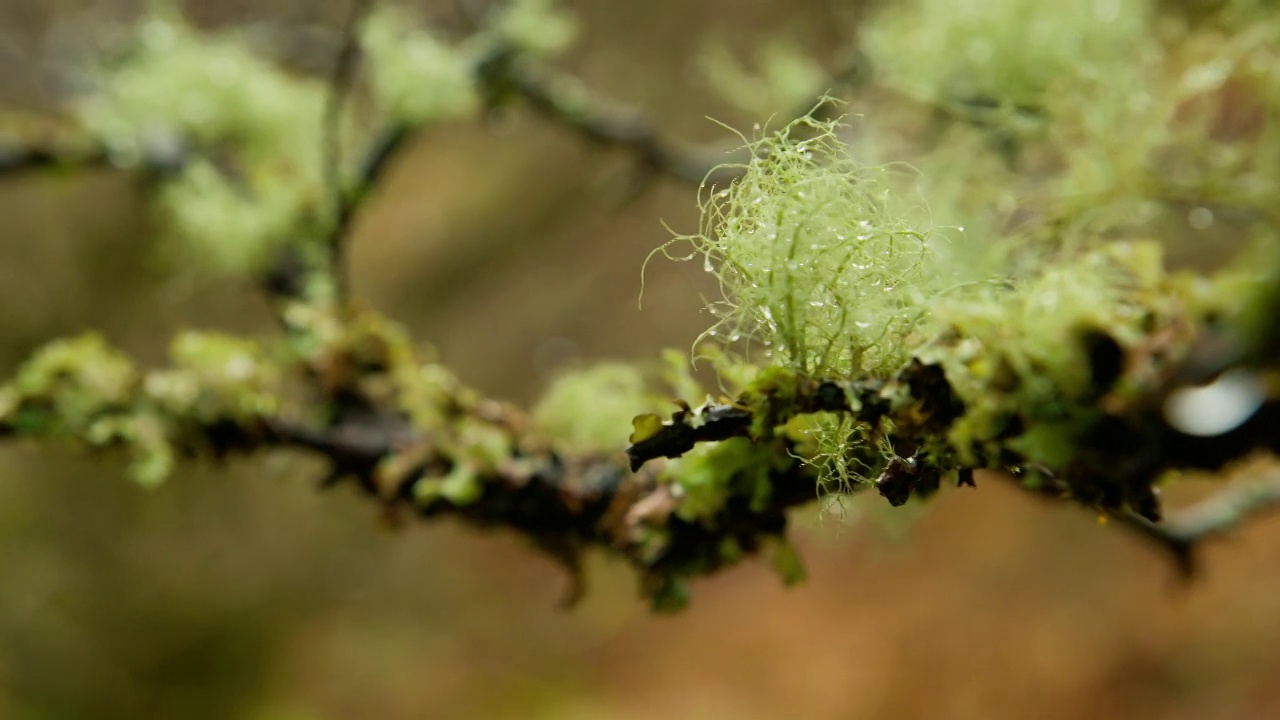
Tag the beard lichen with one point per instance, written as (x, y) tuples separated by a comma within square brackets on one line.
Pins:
[(829, 276), (814, 264)]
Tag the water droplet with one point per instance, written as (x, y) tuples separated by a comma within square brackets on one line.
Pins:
[(817, 303), (1216, 408)]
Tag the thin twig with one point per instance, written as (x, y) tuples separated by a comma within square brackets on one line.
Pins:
[(1219, 514), (159, 161), (563, 99), (339, 87)]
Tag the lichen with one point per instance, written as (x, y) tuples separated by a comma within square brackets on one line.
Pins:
[(415, 76), (813, 266), (84, 392), (590, 410), (784, 76), (178, 89), (708, 476), (1009, 53)]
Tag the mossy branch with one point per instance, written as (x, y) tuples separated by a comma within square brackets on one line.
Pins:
[(413, 439), (886, 352)]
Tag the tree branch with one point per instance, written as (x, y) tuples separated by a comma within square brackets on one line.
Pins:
[(339, 87), (1220, 514)]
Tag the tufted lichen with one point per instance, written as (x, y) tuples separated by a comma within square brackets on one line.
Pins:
[(814, 266)]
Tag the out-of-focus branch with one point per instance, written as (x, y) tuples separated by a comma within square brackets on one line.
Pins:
[(1219, 514), (1114, 476), (340, 81), (564, 99), (159, 160)]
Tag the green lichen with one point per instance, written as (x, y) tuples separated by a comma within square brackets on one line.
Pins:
[(215, 376), (814, 266), (590, 410), (69, 385), (177, 88), (460, 486), (785, 76), (1007, 52), (415, 76), (86, 393), (1017, 355), (536, 27), (708, 476)]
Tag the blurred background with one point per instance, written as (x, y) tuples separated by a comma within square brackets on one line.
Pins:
[(243, 592)]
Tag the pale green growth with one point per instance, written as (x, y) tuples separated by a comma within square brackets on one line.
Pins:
[(461, 486), (784, 77), (82, 390), (178, 86), (74, 381), (591, 410), (822, 440), (537, 27), (230, 229), (1011, 52), (416, 77), (813, 264), (1019, 351), (786, 562), (708, 475), (216, 376)]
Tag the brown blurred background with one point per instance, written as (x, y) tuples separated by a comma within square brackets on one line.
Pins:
[(243, 592)]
